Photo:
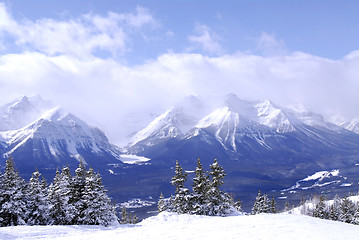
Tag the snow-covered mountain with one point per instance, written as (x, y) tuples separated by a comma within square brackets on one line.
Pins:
[(245, 127), (174, 123), (37, 134), (22, 112), (259, 143)]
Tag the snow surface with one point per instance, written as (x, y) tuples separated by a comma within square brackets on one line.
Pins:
[(321, 175), (137, 203), (174, 226), (133, 159), (321, 178)]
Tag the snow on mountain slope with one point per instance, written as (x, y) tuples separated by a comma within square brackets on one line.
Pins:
[(178, 226), (352, 125), (318, 180), (263, 122), (62, 133), (22, 111), (173, 123), (264, 113)]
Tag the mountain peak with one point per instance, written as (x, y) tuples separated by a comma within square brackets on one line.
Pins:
[(22, 111)]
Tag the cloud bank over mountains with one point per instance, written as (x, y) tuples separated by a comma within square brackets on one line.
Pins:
[(80, 63)]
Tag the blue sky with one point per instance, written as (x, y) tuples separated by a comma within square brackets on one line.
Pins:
[(107, 60), (322, 28)]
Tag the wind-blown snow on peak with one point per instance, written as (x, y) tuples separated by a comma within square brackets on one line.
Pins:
[(22, 112)]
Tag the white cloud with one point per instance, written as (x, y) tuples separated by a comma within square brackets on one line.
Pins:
[(205, 39), (269, 45), (79, 37)]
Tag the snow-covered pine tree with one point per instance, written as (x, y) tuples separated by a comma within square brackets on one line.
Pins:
[(98, 208), (135, 219), (124, 216), (355, 219), (59, 195), (261, 204), (200, 187), (334, 209), (266, 204), (180, 201), (37, 204), (78, 184), (161, 205), (13, 197), (220, 202), (320, 210), (346, 210)]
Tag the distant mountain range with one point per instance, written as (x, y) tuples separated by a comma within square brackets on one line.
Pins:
[(259, 144), (243, 131)]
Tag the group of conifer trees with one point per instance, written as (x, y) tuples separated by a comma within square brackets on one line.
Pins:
[(68, 200), (205, 199), (263, 204), (340, 209)]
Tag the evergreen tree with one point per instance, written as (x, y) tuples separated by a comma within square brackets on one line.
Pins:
[(37, 204), (200, 189), (124, 216), (78, 184), (135, 219), (346, 210), (98, 209), (161, 205), (261, 204), (334, 209), (12, 196), (272, 208), (355, 219), (59, 195), (266, 204), (220, 202), (180, 202), (320, 209)]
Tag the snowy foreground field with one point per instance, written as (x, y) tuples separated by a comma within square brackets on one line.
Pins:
[(173, 226)]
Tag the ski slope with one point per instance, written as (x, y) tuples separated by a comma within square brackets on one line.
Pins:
[(174, 226)]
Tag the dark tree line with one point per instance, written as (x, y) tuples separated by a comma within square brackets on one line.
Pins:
[(206, 197), (68, 200)]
